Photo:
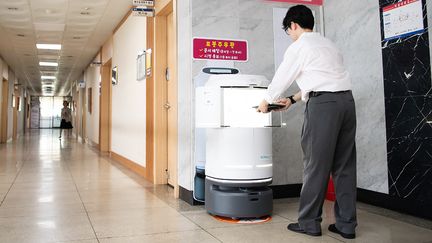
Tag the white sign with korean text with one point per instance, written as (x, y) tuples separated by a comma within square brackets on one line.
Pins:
[(403, 19), (149, 3), (143, 12)]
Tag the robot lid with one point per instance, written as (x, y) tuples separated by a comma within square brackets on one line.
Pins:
[(237, 80)]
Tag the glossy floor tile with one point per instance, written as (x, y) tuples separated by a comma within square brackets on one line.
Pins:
[(195, 236), (55, 190)]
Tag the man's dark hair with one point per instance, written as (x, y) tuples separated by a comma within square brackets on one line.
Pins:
[(301, 15)]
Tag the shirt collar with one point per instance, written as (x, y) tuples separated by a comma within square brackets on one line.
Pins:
[(306, 34)]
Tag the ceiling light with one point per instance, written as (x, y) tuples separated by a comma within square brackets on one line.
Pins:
[(47, 82), (50, 64), (49, 46), (48, 77), (87, 8)]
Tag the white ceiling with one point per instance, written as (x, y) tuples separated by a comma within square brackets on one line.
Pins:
[(80, 26)]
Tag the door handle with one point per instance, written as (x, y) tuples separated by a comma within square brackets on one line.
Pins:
[(167, 74), (167, 105)]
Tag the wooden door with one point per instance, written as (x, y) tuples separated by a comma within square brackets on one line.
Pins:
[(15, 117), (105, 108), (4, 115), (83, 112), (171, 102)]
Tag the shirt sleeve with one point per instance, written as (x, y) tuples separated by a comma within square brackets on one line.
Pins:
[(288, 71)]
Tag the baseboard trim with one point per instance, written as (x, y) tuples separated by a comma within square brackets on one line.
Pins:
[(133, 166), (187, 196), (93, 144), (412, 207)]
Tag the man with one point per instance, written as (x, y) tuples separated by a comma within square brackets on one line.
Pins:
[(328, 135)]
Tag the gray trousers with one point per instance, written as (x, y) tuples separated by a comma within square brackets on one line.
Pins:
[(328, 143)]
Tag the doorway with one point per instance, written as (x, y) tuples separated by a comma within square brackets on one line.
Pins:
[(50, 111), (164, 103), (105, 108), (171, 105), (16, 108), (4, 111)]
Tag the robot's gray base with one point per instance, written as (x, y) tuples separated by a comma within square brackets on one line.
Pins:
[(233, 200)]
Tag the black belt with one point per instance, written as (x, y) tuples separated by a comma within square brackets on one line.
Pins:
[(318, 93)]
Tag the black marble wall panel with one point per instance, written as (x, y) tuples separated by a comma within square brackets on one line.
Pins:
[(409, 144), (408, 103)]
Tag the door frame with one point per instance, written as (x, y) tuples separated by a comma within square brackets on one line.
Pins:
[(4, 111), (105, 100), (83, 114), (157, 129), (15, 114)]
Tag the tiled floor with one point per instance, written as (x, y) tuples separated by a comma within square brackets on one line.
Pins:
[(55, 190)]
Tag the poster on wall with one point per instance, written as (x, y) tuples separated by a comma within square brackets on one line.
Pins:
[(141, 66), (403, 19), (311, 2), (220, 49)]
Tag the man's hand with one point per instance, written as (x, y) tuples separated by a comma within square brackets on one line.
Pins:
[(284, 101), (263, 107)]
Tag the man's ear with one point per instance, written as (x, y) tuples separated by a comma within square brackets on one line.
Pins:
[(294, 26)]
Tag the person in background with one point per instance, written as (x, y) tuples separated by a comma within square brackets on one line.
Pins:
[(329, 128), (66, 119)]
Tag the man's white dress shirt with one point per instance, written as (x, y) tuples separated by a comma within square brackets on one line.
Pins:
[(315, 63)]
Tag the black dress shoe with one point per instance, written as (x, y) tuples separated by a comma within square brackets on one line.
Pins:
[(296, 228), (333, 229)]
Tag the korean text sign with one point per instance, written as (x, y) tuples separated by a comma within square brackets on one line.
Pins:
[(218, 49), (311, 2), (403, 19)]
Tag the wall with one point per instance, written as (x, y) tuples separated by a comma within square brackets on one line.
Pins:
[(355, 28), (11, 79), (92, 79), (393, 136), (407, 87), (80, 109), (128, 96), (233, 20), (107, 50), (21, 113), (1, 87), (185, 98), (7, 73)]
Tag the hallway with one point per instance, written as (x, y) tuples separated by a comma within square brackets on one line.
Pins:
[(55, 190)]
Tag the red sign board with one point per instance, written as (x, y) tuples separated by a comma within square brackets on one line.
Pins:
[(311, 2), (217, 49), (399, 4)]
